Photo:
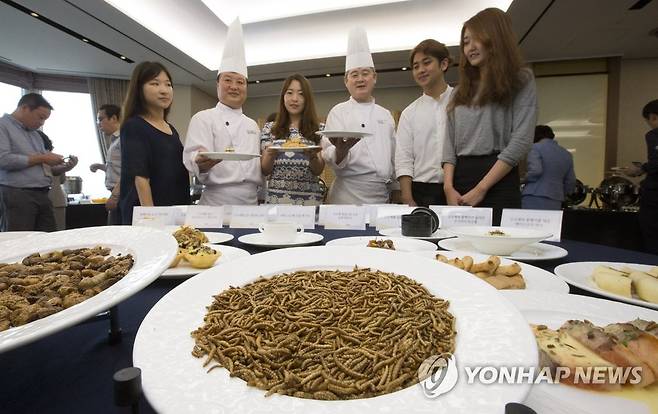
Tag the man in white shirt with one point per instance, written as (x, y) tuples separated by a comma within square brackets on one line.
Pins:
[(363, 168), (225, 128), (108, 118), (421, 130)]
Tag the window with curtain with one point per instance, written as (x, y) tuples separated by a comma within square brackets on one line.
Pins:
[(9, 96), (73, 132)]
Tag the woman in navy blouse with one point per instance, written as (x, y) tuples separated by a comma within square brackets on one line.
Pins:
[(152, 170)]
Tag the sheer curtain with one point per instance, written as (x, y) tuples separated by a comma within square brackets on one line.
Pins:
[(105, 91)]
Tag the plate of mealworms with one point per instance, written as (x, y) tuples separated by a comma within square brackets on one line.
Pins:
[(329, 329)]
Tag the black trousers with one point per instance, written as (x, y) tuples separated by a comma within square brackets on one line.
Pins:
[(649, 219), (428, 194), (27, 209), (505, 194)]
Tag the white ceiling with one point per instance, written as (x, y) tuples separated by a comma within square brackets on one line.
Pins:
[(568, 29)]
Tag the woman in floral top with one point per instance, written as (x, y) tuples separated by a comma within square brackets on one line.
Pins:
[(293, 175)]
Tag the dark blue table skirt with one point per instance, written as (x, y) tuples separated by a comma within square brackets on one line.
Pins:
[(71, 371)]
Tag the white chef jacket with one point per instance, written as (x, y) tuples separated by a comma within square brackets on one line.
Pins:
[(229, 182), (419, 138), (366, 173)]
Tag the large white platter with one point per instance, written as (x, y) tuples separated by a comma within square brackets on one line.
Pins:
[(152, 251), (535, 251), (580, 274), (229, 156), (402, 244), (14, 235), (535, 277), (552, 310), (184, 269), (490, 331)]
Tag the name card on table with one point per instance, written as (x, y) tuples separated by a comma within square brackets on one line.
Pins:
[(465, 216), (343, 217), (248, 217), (304, 215), (155, 216), (371, 212), (390, 216), (547, 220), (205, 216)]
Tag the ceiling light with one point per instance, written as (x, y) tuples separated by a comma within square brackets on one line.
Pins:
[(405, 68), (253, 11), (257, 81), (33, 14), (85, 40), (320, 33), (327, 74), (122, 57)]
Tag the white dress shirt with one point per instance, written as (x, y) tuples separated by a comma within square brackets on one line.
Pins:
[(419, 138), (366, 173), (215, 130)]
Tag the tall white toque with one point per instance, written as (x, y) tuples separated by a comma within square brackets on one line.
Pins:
[(233, 58), (358, 52)]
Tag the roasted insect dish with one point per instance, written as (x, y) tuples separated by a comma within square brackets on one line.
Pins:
[(43, 284), (326, 334)]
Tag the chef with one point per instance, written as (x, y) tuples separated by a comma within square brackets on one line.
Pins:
[(363, 168), (225, 128)]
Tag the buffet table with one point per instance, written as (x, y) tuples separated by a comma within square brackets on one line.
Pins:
[(71, 371)]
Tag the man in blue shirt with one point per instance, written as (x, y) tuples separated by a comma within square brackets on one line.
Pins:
[(26, 167), (550, 172)]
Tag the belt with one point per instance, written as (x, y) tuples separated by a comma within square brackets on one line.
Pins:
[(40, 189)]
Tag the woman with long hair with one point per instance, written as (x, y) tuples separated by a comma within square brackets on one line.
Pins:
[(491, 117), (293, 176), (152, 170)]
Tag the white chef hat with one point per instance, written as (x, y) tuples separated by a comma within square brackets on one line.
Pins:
[(233, 58), (358, 52)]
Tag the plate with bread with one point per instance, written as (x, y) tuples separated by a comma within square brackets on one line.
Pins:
[(581, 336), (503, 274), (627, 282)]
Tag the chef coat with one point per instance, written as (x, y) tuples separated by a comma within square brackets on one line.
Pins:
[(229, 182), (419, 138), (366, 173)]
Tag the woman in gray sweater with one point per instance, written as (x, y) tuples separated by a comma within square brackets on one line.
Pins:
[(491, 117)]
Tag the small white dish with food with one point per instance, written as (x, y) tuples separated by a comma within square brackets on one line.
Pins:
[(531, 252), (402, 244), (627, 282), (502, 241)]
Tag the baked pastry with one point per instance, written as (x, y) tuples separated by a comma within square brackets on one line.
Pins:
[(202, 257)]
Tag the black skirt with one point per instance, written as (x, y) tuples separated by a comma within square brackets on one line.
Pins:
[(470, 170)]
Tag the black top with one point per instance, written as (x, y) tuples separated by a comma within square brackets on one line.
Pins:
[(651, 166), (148, 152)]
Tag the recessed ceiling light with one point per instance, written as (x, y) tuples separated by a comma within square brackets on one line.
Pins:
[(33, 14), (122, 57), (405, 68), (85, 40), (253, 11), (327, 75)]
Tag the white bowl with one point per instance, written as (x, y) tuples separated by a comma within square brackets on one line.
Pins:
[(513, 239)]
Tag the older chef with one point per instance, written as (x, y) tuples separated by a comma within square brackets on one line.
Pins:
[(225, 128), (364, 168)]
